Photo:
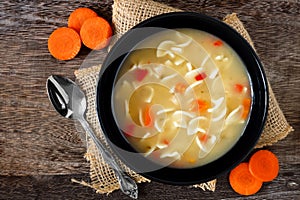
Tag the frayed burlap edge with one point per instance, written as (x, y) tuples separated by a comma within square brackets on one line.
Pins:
[(125, 16), (128, 13)]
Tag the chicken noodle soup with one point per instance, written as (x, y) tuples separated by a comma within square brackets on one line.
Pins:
[(182, 98)]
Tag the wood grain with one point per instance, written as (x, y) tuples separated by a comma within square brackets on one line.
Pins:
[(35, 141), (33, 138)]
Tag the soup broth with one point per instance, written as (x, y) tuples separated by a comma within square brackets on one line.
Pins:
[(182, 98)]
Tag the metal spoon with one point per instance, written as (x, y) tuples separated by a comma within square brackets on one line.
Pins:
[(70, 102)]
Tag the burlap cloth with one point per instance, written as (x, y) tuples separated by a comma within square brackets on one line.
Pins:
[(126, 14)]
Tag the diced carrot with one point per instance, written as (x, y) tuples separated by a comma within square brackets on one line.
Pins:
[(147, 116), (202, 105), (95, 33), (264, 165), (203, 137), (246, 104), (140, 74), (64, 43), (180, 87), (129, 130), (165, 141), (239, 88), (218, 43), (78, 16), (242, 181), (200, 76)]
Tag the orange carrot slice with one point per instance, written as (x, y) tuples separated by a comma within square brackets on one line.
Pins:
[(95, 33), (242, 181), (64, 43), (78, 16), (264, 165)]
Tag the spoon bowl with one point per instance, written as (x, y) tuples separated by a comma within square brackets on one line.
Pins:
[(60, 90)]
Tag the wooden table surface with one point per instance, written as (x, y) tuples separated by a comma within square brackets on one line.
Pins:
[(40, 151)]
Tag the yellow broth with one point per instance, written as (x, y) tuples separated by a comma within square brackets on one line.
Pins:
[(182, 98)]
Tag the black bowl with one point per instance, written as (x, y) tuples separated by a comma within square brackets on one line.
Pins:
[(118, 142)]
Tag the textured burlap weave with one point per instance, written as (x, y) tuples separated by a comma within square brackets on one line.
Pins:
[(127, 13)]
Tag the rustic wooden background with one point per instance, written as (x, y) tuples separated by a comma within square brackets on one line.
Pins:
[(40, 151)]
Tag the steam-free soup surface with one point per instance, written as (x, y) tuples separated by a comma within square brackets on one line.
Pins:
[(182, 98)]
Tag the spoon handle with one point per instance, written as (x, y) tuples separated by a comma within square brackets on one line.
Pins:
[(127, 185)]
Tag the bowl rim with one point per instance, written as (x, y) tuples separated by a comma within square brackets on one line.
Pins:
[(237, 153)]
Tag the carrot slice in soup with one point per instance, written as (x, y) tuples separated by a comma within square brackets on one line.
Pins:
[(242, 181), (64, 43), (95, 33), (264, 165), (78, 16)]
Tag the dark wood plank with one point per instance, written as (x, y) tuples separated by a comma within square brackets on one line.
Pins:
[(35, 141), (30, 131)]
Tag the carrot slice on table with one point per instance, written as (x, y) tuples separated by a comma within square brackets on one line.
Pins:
[(242, 181), (95, 33), (78, 16), (64, 43), (264, 165)]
